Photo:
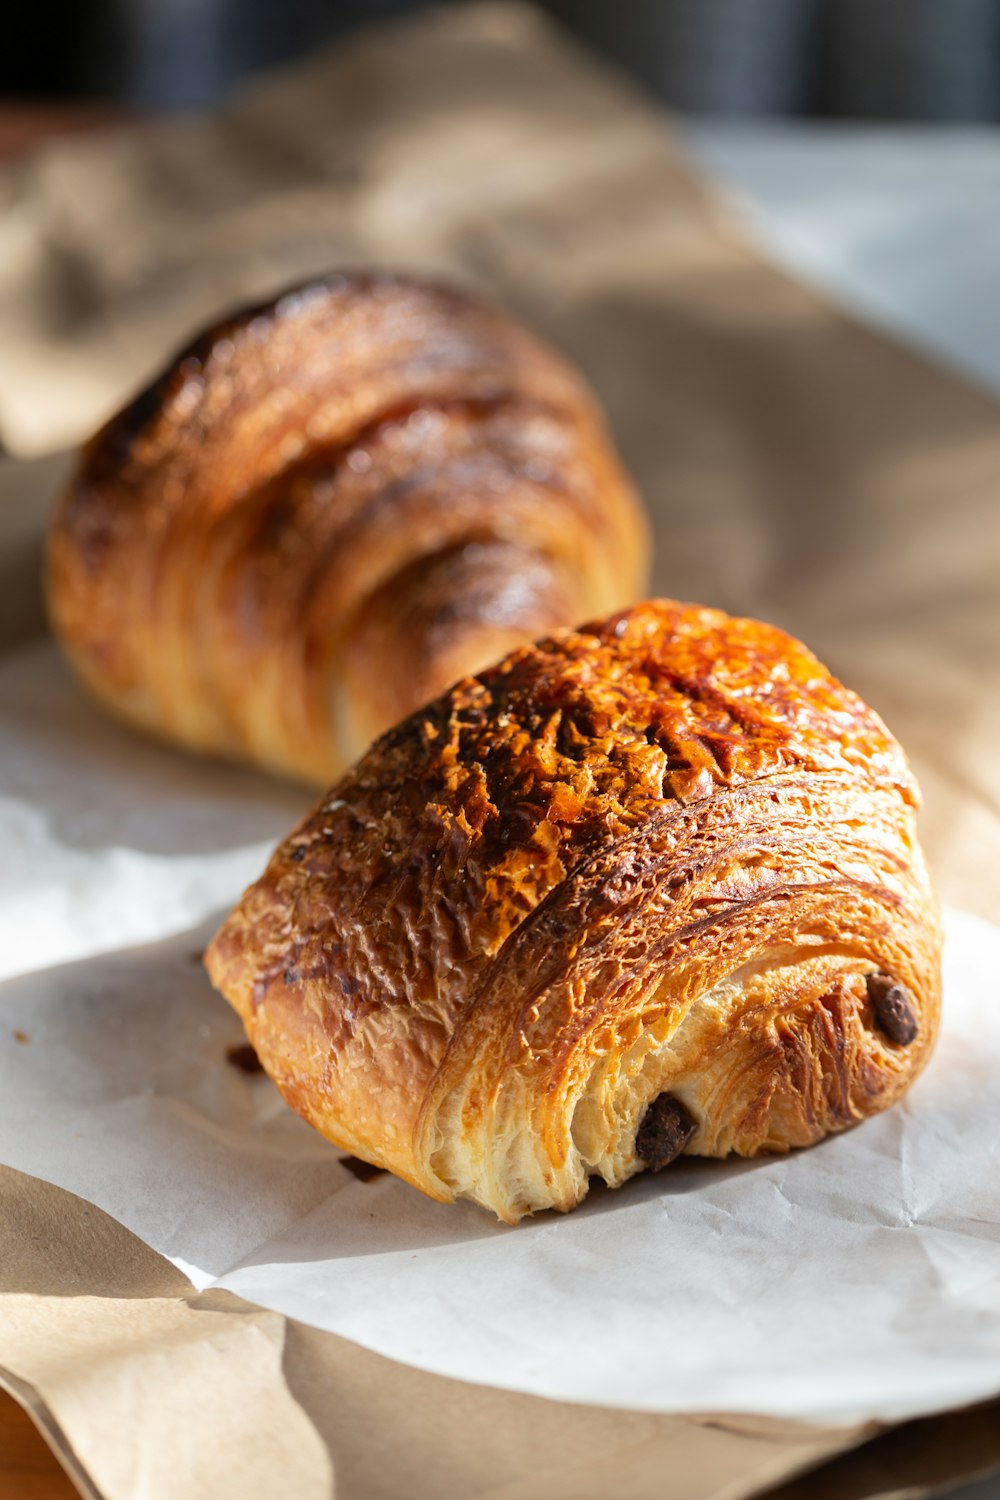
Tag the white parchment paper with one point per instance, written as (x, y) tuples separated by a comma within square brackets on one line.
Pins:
[(857, 1280)]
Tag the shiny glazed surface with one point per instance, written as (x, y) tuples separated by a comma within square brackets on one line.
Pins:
[(325, 510)]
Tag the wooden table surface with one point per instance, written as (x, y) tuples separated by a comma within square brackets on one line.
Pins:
[(28, 1471)]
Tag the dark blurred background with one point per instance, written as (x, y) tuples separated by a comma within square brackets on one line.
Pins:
[(873, 59)]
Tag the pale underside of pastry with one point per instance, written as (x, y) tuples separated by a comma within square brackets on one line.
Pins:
[(645, 888), (328, 508)]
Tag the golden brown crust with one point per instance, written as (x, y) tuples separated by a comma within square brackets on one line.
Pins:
[(364, 473), (660, 854)]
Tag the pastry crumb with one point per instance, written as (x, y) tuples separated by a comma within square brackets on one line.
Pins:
[(244, 1057), (364, 1171)]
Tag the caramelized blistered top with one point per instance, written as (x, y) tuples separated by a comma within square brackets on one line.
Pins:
[(585, 735)]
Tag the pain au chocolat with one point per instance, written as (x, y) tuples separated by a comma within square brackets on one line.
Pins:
[(647, 887)]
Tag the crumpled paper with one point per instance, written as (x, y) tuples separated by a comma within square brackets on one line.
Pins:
[(852, 1282)]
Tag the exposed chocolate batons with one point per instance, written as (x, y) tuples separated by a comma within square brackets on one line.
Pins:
[(364, 1171), (664, 1131), (245, 1058), (894, 1011), (619, 863)]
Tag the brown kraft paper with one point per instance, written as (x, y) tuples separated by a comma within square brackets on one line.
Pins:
[(797, 467)]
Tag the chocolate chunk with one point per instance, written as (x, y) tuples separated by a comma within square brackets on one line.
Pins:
[(893, 1007), (245, 1058), (362, 1170), (664, 1131)]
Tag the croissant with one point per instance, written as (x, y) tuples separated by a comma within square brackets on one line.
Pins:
[(328, 508), (645, 888)]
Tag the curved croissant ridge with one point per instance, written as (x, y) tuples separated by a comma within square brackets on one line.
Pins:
[(646, 887), (325, 510)]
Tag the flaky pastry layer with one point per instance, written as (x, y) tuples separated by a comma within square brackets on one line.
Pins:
[(647, 887), (328, 508)]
